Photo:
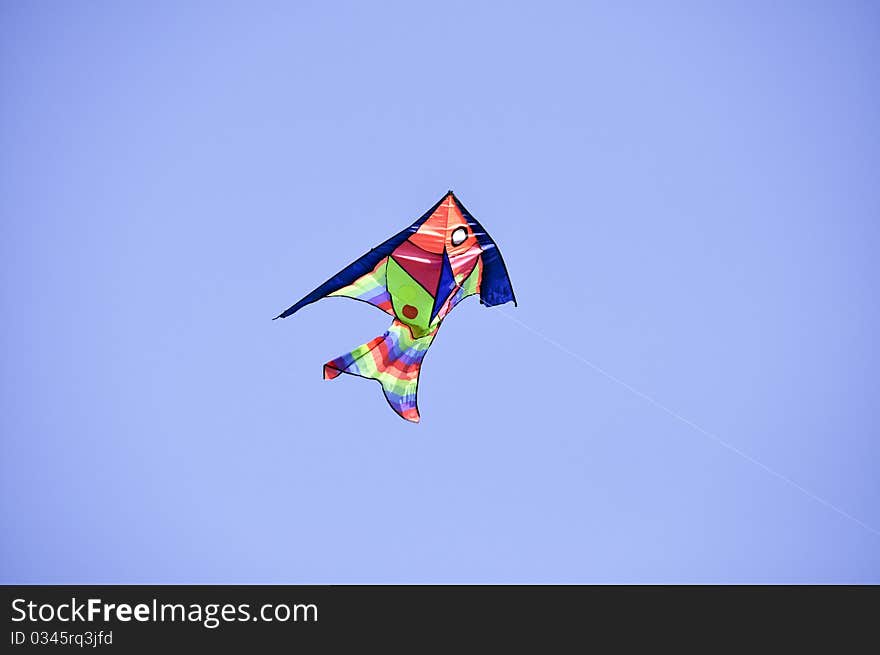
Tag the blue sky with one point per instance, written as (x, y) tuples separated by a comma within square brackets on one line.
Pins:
[(686, 196)]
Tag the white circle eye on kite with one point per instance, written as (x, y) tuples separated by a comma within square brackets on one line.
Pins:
[(459, 236)]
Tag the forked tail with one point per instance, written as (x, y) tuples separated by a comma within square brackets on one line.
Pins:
[(394, 359)]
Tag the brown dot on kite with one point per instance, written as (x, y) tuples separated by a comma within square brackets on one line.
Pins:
[(410, 312)]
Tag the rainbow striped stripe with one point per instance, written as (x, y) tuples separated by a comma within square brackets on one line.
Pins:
[(370, 288), (394, 359)]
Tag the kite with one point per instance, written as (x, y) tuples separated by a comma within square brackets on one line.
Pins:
[(416, 276)]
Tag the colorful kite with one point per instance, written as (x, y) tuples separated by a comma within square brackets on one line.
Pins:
[(417, 276)]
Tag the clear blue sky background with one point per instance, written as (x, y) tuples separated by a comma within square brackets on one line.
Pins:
[(686, 195)]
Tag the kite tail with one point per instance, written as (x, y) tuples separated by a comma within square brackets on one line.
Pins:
[(394, 359)]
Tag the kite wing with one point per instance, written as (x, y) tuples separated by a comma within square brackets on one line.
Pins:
[(363, 279), (495, 287)]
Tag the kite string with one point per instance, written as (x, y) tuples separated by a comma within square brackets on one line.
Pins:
[(690, 423)]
